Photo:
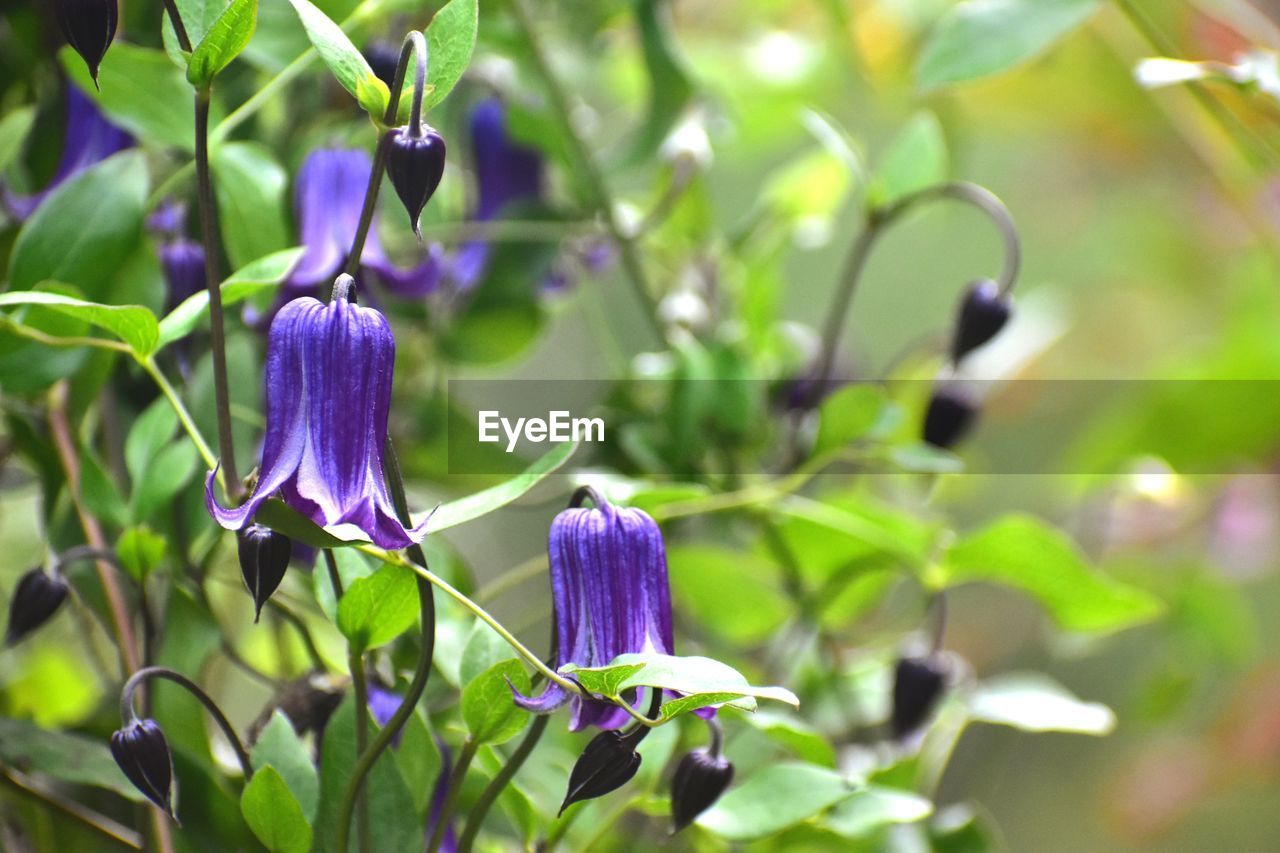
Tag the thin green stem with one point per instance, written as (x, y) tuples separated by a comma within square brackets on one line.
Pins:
[(499, 782), (217, 334), (588, 168), (465, 755), (184, 417), (356, 664), (127, 713), (99, 823)]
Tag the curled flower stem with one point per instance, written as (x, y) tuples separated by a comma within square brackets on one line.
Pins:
[(877, 222), (589, 169), (499, 782), (414, 44), (426, 604), (127, 714), (716, 747)]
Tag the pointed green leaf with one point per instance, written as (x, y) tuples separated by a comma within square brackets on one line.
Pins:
[(133, 324), (451, 39), (273, 813), (344, 60), (474, 506), (142, 91), (916, 160), (377, 609), (488, 709), (228, 36), (774, 798)]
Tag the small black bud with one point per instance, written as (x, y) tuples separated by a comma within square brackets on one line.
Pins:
[(264, 557), (89, 26), (415, 165), (36, 598), (918, 684), (608, 763), (948, 419), (383, 58), (143, 754), (983, 313), (699, 781)]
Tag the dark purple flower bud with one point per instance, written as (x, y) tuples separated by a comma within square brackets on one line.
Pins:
[(89, 139), (699, 781), (383, 58), (949, 418), (918, 684), (328, 390), (612, 597), (36, 598), (264, 556), (983, 313), (415, 165), (143, 754), (608, 763), (89, 26), (183, 264), (328, 200)]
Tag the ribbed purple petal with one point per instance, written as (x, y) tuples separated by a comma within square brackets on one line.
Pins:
[(612, 597), (89, 139), (328, 387), (328, 194)]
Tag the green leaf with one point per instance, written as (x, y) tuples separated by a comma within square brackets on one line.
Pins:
[(168, 472), (280, 747), (133, 324), (250, 186), (228, 36), (67, 757), (198, 16), (484, 648), (1036, 703), (151, 431), (142, 91), (13, 132), (804, 741), (394, 823), (451, 39), (140, 550), (726, 590), (848, 415), (474, 506), (977, 38), (871, 809), (85, 229), (717, 682), (273, 813), (916, 160), (262, 274), (490, 713), (418, 758), (777, 797), (344, 60), (377, 609), (1023, 553)]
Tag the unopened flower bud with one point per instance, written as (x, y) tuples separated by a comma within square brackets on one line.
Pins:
[(89, 26), (699, 781), (415, 165), (36, 598), (983, 313), (143, 754), (182, 262), (264, 557), (949, 418), (918, 684), (608, 763)]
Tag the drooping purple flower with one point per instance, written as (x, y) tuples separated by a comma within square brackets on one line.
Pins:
[(609, 584), (182, 261), (89, 139), (506, 172), (328, 389), (328, 199)]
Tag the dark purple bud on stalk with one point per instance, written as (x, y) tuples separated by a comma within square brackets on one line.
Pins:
[(699, 781), (36, 598), (608, 763), (415, 165), (89, 26), (983, 313), (182, 262), (264, 556), (948, 419), (143, 754), (383, 58), (918, 684)]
